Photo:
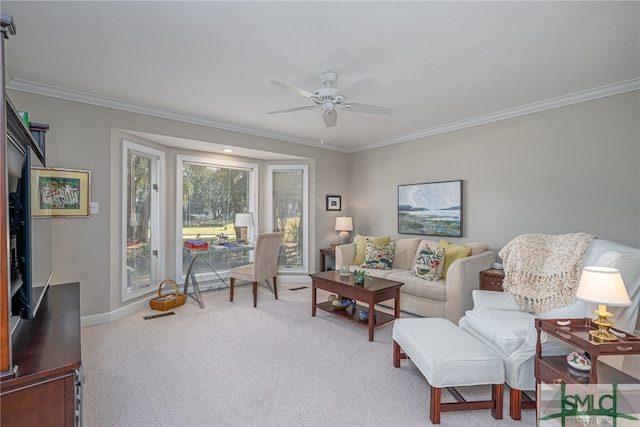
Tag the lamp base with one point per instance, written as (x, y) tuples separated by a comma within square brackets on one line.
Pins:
[(602, 334), (344, 237), (242, 235)]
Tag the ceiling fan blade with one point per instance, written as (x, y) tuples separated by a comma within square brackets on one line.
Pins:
[(366, 108), (288, 110), (332, 62), (354, 89), (292, 88), (331, 119)]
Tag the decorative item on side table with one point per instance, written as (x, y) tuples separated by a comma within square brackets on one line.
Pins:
[(361, 276), (579, 361), (604, 286), (344, 224)]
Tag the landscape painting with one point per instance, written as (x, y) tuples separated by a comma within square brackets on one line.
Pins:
[(433, 209)]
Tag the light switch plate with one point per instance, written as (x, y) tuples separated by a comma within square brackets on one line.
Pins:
[(95, 207)]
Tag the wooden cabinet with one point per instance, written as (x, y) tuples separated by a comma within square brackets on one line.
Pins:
[(555, 370), (47, 386), (491, 280), (40, 359)]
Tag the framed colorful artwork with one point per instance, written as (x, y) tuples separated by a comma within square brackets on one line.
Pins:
[(433, 209), (60, 192)]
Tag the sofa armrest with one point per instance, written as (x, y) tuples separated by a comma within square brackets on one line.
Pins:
[(463, 277), (345, 254)]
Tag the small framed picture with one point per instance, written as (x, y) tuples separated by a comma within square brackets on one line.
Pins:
[(334, 203)]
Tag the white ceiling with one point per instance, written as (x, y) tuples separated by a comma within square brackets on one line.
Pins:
[(442, 65)]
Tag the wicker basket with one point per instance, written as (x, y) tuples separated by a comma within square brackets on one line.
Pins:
[(167, 301)]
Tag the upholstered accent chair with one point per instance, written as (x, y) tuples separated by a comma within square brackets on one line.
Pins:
[(498, 320), (264, 267)]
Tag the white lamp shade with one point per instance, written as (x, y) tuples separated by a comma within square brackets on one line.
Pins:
[(603, 285), (344, 223), (244, 220)]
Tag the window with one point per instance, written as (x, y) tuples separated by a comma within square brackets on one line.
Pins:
[(141, 219), (288, 186), (211, 192)]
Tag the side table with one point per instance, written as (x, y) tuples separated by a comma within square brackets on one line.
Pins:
[(491, 280), (324, 253), (555, 369)]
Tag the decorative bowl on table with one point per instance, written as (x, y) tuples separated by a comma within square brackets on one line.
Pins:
[(579, 361), (340, 303)]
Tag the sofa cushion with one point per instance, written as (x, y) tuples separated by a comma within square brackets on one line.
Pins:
[(380, 257), (405, 252), (429, 264), (452, 253), (429, 245), (477, 248), (434, 291), (361, 245)]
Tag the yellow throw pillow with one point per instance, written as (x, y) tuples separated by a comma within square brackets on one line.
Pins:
[(452, 253), (361, 245)]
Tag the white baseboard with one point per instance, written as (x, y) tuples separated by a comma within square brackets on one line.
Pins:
[(119, 313)]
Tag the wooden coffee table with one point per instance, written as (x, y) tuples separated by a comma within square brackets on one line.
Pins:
[(374, 291)]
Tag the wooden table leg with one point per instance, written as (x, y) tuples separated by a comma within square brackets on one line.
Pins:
[(497, 390), (313, 297), (434, 411), (372, 318), (515, 404), (396, 311)]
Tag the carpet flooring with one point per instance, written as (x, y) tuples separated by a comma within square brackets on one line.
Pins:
[(231, 364)]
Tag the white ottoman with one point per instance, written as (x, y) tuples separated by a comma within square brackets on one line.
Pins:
[(448, 357)]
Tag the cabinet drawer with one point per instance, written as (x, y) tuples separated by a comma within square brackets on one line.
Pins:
[(547, 374)]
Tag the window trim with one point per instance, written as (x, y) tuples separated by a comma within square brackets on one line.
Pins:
[(305, 216), (158, 222), (254, 168)]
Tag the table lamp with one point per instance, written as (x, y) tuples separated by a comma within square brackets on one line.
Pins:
[(242, 223), (344, 224), (604, 286)]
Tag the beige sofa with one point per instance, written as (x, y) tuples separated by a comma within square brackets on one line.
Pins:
[(448, 298)]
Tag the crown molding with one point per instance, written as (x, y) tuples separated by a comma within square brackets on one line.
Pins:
[(536, 107), (583, 96), (101, 101)]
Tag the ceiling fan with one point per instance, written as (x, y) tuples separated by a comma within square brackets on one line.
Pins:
[(329, 98)]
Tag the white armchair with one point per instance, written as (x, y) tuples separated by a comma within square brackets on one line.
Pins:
[(497, 319)]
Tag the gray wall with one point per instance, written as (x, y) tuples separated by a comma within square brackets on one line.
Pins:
[(86, 137), (569, 169), (575, 168)]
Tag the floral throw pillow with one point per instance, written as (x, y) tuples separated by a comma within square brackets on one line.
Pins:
[(380, 257), (429, 264)]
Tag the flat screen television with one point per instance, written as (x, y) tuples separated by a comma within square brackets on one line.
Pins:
[(30, 238)]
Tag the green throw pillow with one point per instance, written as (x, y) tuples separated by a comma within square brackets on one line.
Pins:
[(453, 252), (380, 257), (429, 265), (361, 246)]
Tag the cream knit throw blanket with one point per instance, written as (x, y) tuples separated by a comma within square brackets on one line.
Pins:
[(542, 271)]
